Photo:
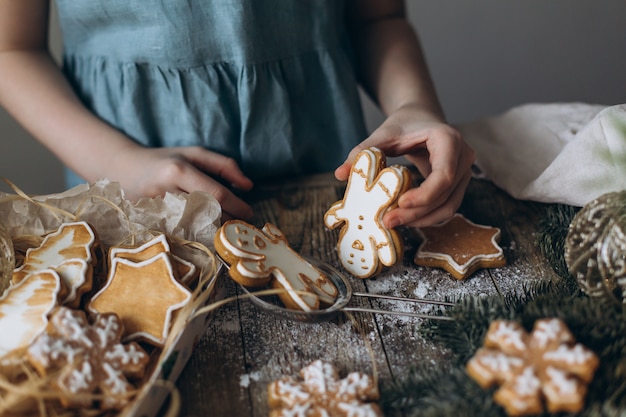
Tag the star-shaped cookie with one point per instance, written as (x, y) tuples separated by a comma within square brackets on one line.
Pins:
[(184, 270), (144, 295), (460, 247)]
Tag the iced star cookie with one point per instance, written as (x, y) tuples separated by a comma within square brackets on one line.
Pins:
[(365, 245), (70, 251), (87, 359), (261, 256), (144, 295), (460, 247), (543, 369), (24, 310), (185, 271), (320, 392)]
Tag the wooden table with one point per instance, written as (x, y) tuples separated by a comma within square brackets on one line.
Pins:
[(244, 348)]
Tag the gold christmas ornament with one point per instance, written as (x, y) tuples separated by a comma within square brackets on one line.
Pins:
[(595, 247)]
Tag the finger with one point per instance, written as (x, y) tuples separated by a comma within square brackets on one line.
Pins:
[(447, 165), (429, 215), (343, 171), (220, 166), (195, 180)]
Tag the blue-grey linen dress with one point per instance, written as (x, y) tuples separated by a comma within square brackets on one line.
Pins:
[(269, 83)]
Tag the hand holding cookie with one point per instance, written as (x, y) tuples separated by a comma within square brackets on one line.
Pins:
[(439, 153)]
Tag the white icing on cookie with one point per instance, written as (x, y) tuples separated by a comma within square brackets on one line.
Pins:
[(261, 253), (497, 362), (322, 393), (364, 242), (571, 355), (508, 333), (69, 251), (552, 330), (527, 383), (553, 371), (564, 384), (184, 269), (24, 308), (152, 281), (90, 358)]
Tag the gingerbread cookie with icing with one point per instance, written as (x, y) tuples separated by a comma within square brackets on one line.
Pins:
[(546, 366), (70, 251), (261, 256), (460, 247), (150, 284), (365, 245), (320, 392), (87, 359), (24, 310)]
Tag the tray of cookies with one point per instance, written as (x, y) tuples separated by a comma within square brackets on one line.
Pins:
[(105, 298)]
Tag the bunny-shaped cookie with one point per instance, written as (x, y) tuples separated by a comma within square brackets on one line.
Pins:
[(365, 245)]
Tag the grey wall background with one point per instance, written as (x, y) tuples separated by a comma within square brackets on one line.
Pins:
[(485, 56)]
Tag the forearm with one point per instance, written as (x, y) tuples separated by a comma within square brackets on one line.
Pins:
[(36, 94), (392, 68)]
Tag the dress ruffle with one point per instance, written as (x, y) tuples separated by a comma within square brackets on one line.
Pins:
[(291, 106)]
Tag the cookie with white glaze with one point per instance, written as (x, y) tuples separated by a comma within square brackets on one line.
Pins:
[(70, 250), (320, 392), (365, 245), (460, 246), (258, 257), (85, 360), (150, 284), (24, 309)]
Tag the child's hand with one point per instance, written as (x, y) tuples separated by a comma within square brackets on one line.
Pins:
[(149, 172), (440, 155)]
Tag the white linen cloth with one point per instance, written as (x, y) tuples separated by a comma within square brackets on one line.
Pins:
[(567, 153)]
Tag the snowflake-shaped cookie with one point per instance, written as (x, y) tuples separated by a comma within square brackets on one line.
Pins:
[(321, 393), (543, 369), (88, 359)]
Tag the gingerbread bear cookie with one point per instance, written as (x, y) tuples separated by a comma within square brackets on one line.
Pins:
[(261, 256), (546, 367), (320, 392), (70, 251), (24, 310), (460, 247), (87, 359), (365, 245)]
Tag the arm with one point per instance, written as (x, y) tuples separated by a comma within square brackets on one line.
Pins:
[(392, 69), (35, 93)]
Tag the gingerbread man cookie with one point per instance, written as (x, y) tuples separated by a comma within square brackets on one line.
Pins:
[(257, 257), (88, 359), (321, 393), (460, 247), (365, 245), (543, 367)]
